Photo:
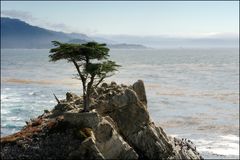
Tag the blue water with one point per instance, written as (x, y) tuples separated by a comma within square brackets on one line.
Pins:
[(192, 93)]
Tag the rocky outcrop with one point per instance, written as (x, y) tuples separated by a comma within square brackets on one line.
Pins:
[(139, 88), (117, 127)]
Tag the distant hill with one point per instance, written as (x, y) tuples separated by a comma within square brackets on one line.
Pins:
[(113, 46), (81, 41), (18, 34), (126, 46)]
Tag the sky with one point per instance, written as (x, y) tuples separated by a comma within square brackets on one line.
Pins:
[(181, 18)]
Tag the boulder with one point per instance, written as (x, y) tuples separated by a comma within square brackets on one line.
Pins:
[(129, 113), (134, 123), (84, 119), (111, 144), (105, 142), (71, 96), (104, 85), (139, 88), (87, 149)]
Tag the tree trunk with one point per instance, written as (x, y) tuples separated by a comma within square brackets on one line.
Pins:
[(85, 103), (85, 99), (88, 93)]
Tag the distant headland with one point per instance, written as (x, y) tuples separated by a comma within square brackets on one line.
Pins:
[(19, 34)]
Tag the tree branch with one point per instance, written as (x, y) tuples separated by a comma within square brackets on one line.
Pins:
[(56, 99), (100, 80), (79, 71)]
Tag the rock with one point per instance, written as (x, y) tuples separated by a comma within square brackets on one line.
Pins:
[(113, 84), (84, 119), (104, 85), (148, 142), (118, 126), (63, 107), (119, 100), (78, 101), (111, 144), (46, 111), (139, 88), (123, 85), (94, 93), (184, 149), (71, 96), (105, 142), (87, 149), (133, 122), (128, 97)]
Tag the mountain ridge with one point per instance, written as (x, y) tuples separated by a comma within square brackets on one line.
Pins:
[(16, 33)]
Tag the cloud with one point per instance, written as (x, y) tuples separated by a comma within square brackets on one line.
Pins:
[(44, 23), (56, 26), (18, 14), (29, 18)]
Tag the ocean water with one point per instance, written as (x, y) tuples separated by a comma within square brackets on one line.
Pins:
[(192, 93)]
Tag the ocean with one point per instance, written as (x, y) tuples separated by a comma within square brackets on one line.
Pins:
[(192, 93)]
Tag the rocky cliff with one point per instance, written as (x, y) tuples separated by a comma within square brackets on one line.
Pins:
[(117, 127)]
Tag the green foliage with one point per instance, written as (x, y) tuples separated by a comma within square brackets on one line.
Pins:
[(65, 51), (90, 60)]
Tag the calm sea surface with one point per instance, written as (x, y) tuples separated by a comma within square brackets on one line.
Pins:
[(192, 93)]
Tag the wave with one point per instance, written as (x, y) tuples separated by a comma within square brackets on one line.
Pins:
[(32, 93), (230, 137), (219, 146), (226, 145), (3, 97)]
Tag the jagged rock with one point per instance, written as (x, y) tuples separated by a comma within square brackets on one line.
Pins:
[(60, 108), (73, 99), (87, 149), (152, 146), (119, 100), (104, 85), (124, 86), (118, 126), (106, 141), (111, 144), (71, 96), (46, 111), (63, 107), (139, 88), (94, 93), (184, 149), (113, 84), (134, 123), (84, 119), (122, 100)]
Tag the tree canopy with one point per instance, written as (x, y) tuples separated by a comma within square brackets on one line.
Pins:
[(90, 60)]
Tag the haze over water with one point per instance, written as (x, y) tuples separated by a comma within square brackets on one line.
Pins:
[(192, 93)]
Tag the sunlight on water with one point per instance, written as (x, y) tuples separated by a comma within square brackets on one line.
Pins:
[(222, 145)]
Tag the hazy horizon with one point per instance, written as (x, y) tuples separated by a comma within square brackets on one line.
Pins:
[(154, 24), (129, 18)]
